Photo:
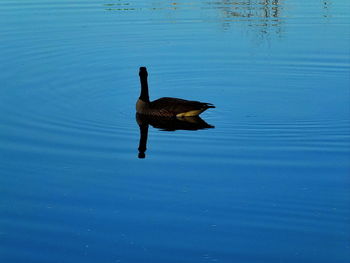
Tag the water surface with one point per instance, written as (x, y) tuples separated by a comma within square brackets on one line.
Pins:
[(268, 184)]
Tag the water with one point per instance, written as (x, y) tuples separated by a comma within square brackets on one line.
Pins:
[(270, 183)]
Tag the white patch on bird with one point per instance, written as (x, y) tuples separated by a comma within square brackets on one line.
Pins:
[(190, 113)]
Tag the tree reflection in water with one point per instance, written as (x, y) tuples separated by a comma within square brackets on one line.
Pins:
[(262, 18)]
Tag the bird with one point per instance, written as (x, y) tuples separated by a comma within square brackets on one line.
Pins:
[(166, 106)]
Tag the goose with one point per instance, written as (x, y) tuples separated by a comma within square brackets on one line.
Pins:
[(166, 107)]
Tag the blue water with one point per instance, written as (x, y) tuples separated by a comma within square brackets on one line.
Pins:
[(270, 183)]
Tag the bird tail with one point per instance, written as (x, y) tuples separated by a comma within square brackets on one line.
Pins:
[(208, 105)]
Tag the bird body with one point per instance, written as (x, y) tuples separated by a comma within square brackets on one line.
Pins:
[(167, 107)]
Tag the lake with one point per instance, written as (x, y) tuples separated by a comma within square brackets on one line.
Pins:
[(263, 177)]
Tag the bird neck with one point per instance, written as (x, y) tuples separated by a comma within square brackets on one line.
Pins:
[(144, 89)]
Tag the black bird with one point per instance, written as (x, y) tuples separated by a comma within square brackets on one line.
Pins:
[(166, 107)]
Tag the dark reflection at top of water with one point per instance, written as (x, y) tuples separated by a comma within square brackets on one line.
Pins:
[(265, 15), (264, 18)]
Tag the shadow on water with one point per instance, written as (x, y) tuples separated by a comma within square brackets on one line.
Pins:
[(166, 124)]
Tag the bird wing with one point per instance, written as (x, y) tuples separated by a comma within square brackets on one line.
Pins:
[(176, 106)]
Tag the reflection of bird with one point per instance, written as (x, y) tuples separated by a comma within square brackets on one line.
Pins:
[(167, 107), (166, 124)]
